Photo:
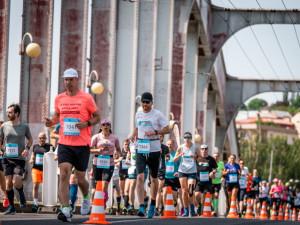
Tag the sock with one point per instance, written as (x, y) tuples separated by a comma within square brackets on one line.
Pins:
[(200, 205), (192, 207), (10, 196), (86, 197), (118, 202), (73, 193), (126, 201), (20, 190), (36, 201), (216, 204), (175, 203), (146, 200), (105, 196), (153, 202)]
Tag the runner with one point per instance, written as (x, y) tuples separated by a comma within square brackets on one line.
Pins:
[(13, 133), (2, 177), (232, 171), (187, 172), (104, 145), (131, 161), (217, 182), (123, 176), (36, 159), (242, 193), (171, 175), (263, 192), (149, 124), (206, 170), (161, 177), (255, 189), (77, 112), (275, 192)]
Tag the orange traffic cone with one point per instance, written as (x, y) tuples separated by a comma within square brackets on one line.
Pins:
[(169, 212), (249, 212), (207, 206), (97, 214), (263, 212), (274, 213), (298, 216), (280, 213), (294, 216), (232, 212), (286, 214)]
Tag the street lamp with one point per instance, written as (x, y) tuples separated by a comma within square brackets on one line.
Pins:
[(33, 49), (97, 87), (197, 136)]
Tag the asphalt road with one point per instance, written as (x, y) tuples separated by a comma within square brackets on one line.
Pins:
[(50, 219)]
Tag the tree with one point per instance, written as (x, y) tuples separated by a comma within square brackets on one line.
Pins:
[(256, 104), (295, 105)]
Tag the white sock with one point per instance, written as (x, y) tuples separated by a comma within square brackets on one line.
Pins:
[(36, 201)]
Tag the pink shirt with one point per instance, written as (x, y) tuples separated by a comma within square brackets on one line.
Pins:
[(71, 110), (110, 143), (277, 191)]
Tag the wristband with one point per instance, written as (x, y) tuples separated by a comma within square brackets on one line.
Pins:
[(156, 132), (28, 147), (89, 123)]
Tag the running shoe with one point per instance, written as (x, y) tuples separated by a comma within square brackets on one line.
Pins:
[(131, 210), (23, 201), (151, 211), (5, 202), (156, 212), (10, 211), (181, 211), (199, 211), (192, 210), (65, 215), (34, 208), (124, 211), (85, 206), (142, 211), (185, 212)]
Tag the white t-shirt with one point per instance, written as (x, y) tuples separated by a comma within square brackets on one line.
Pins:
[(265, 192), (151, 121), (243, 178)]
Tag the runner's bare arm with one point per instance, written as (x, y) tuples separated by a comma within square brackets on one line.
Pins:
[(53, 121), (177, 155), (94, 120), (134, 134)]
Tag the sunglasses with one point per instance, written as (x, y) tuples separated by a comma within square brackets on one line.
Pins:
[(42, 138), (204, 148), (242, 163), (105, 124), (145, 102), (187, 137)]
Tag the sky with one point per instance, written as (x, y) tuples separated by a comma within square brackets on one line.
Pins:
[(236, 62)]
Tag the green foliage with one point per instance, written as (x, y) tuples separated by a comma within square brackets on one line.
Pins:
[(256, 104), (295, 106), (286, 158)]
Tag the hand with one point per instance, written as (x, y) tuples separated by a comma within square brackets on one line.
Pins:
[(31, 161), (25, 153), (181, 153), (212, 175), (132, 138), (1, 153), (150, 133), (127, 162), (193, 156), (48, 122), (176, 174), (81, 124), (55, 158)]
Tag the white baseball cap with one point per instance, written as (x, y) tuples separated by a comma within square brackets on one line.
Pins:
[(70, 73)]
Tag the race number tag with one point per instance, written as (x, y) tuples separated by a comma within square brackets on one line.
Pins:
[(217, 175), (39, 159), (188, 161), (276, 195), (124, 165), (12, 150), (103, 161), (204, 176), (144, 146), (116, 172), (70, 128), (170, 169), (232, 178), (242, 182)]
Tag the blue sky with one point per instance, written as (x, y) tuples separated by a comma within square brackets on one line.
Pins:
[(236, 65)]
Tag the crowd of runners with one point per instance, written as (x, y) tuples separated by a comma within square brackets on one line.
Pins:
[(142, 160)]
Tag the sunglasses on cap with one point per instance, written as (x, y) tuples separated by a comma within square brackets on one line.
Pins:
[(146, 102), (187, 137), (105, 124)]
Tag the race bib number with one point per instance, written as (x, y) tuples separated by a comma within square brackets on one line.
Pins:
[(124, 165), (39, 159), (170, 168), (116, 172), (232, 178), (297, 201), (242, 182), (144, 146), (12, 150), (188, 161), (70, 127), (276, 195), (204, 176), (103, 161), (217, 175)]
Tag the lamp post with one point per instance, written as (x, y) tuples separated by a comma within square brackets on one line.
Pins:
[(33, 49), (97, 87)]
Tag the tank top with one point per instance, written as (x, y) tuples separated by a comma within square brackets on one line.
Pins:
[(132, 154), (187, 163)]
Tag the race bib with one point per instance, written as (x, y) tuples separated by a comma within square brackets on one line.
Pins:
[(276, 195), (188, 161), (217, 175), (232, 178), (144, 146), (103, 161), (131, 171), (204, 176), (297, 201), (70, 128), (116, 172), (170, 168), (124, 165), (39, 159), (242, 182), (12, 150)]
